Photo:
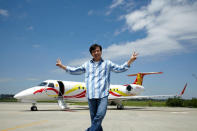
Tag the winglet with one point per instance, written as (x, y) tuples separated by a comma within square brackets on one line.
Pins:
[(182, 92)]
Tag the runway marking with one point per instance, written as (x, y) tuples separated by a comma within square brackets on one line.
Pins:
[(26, 125), (179, 112)]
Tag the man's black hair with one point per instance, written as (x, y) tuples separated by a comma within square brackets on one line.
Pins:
[(93, 47)]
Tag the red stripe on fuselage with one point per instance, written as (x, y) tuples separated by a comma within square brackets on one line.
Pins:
[(80, 95), (112, 93), (39, 91), (53, 90)]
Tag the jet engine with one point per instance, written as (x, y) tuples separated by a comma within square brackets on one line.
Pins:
[(129, 88)]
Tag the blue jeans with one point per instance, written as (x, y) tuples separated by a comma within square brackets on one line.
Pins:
[(98, 108)]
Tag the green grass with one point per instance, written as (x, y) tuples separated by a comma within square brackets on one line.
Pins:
[(178, 102), (132, 103), (125, 103), (151, 103), (8, 100), (145, 103)]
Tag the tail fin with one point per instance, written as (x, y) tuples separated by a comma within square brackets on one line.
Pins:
[(139, 78), (182, 92)]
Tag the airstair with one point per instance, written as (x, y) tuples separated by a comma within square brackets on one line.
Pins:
[(61, 103)]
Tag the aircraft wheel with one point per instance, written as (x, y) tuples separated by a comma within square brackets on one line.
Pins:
[(120, 107), (34, 108)]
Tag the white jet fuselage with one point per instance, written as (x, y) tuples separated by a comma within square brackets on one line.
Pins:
[(74, 91)]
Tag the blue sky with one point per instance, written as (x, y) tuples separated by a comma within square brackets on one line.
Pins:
[(34, 33)]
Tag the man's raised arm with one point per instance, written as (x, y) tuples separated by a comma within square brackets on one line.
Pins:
[(72, 70), (133, 58)]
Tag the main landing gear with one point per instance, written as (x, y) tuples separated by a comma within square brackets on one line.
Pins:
[(34, 107), (120, 106)]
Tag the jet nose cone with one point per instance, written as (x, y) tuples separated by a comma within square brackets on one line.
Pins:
[(18, 95), (26, 94)]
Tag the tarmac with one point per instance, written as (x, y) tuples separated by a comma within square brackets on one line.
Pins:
[(18, 117)]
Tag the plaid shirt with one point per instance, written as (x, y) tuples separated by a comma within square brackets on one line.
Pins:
[(97, 76)]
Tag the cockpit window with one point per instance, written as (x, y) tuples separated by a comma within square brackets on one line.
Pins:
[(42, 84), (51, 85)]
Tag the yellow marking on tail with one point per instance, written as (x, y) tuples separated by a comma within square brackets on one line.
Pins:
[(139, 79)]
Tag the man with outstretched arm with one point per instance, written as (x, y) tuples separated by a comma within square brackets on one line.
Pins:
[(97, 80)]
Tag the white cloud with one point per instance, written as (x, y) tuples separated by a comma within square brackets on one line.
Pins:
[(108, 12), (116, 3), (117, 32), (4, 12), (166, 23), (90, 12), (30, 28), (79, 61), (36, 46), (145, 47)]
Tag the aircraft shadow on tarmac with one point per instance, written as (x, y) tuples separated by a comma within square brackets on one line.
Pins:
[(135, 109), (79, 108)]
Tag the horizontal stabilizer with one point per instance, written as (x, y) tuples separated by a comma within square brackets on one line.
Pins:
[(148, 73), (139, 77)]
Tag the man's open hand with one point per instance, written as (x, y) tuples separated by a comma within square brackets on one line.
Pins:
[(133, 58), (58, 62)]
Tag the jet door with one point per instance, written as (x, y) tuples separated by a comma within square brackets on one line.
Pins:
[(61, 88)]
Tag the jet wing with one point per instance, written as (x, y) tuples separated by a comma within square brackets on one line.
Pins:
[(142, 97), (149, 97)]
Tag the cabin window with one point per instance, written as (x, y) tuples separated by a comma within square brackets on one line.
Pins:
[(51, 85), (42, 84), (79, 87)]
